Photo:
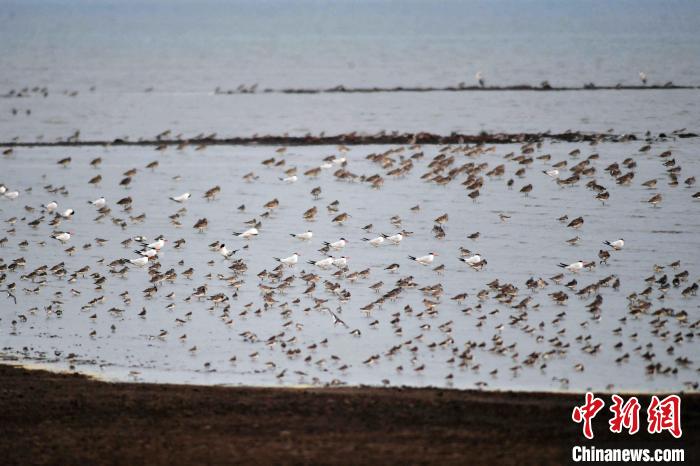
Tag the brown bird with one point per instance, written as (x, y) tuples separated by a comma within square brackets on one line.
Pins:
[(576, 223), (655, 200), (201, 224), (526, 189)]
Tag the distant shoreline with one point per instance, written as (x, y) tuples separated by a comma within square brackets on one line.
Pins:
[(243, 89), (544, 87), (355, 138), (50, 418)]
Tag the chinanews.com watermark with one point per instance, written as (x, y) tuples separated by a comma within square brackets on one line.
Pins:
[(662, 415), (624, 455)]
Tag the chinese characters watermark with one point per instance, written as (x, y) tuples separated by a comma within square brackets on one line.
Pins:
[(662, 415)]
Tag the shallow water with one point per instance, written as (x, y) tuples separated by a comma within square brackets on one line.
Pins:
[(529, 244), (106, 116)]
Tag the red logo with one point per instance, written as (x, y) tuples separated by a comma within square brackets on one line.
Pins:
[(665, 415), (661, 415), (587, 412), (625, 415)]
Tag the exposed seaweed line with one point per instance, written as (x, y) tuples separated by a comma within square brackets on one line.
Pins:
[(355, 138)]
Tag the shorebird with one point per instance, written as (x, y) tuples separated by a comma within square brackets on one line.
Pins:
[(248, 234), (574, 266), (643, 77), (201, 224), (395, 238), (340, 262), (271, 205), (100, 202), (480, 78), (150, 253), (11, 195), (655, 200), (181, 198), (336, 320), (337, 245), (554, 173), (342, 218), (306, 236), (224, 251), (211, 194), (310, 214), (476, 258), (63, 237), (576, 223), (616, 245), (442, 219), (51, 206), (323, 263), (157, 244), (289, 261), (374, 241), (424, 260), (139, 262)]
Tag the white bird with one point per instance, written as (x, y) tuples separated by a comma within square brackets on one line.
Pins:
[(68, 213), (341, 262), (479, 78), (336, 320), (425, 260), (3, 189), (616, 245), (148, 252), (181, 198), (307, 235), (100, 202), (157, 244), (140, 262), (51, 206), (224, 251), (11, 195), (643, 77), (63, 237), (290, 179), (375, 241), (573, 267), (476, 258), (553, 172), (394, 239), (289, 261), (337, 245), (323, 263), (249, 233)]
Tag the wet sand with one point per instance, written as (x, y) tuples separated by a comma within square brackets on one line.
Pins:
[(48, 418)]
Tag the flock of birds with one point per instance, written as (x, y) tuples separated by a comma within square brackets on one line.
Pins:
[(43, 91), (295, 287)]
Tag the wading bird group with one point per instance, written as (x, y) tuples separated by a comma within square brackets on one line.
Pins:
[(370, 273)]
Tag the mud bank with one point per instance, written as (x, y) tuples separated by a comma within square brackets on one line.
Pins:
[(354, 138), (48, 418)]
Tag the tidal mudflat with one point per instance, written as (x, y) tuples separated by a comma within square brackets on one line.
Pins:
[(626, 322)]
